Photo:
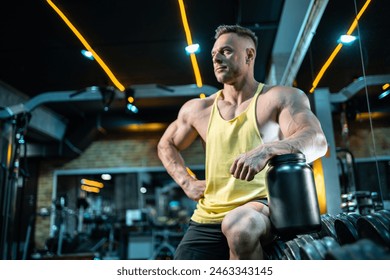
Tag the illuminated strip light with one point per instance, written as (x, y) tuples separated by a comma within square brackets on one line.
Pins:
[(90, 189), (367, 116), (9, 153), (187, 31), (384, 94), (146, 127), (87, 46), (338, 47), (92, 183)]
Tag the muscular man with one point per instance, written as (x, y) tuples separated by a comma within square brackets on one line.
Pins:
[(243, 126)]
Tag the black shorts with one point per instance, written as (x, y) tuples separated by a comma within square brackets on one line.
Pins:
[(204, 242)]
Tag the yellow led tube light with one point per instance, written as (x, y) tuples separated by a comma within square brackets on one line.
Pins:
[(191, 173), (338, 47), (90, 189), (187, 31), (87, 46), (92, 183)]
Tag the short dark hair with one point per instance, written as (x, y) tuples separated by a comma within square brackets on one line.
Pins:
[(239, 30)]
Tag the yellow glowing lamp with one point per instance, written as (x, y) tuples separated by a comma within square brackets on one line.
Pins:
[(87, 46), (130, 99), (92, 183), (319, 180), (189, 171), (187, 31), (338, 47), (90, 189)]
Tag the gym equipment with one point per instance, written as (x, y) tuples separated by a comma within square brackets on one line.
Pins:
[(297, 243), (372, 227), (346, 236), (346, 230), (14, 121), (385, 213), (318, 248), (310, 252), (275, 250), (362, 202), (327, 226), (13, 173), (363, 249)]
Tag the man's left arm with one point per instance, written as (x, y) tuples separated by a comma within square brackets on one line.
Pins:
[(301, 131), (300, 127)]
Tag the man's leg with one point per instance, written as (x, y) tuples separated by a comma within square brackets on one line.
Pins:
[(246, 228)]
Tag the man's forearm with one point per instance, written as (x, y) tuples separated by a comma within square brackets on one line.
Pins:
[(311, 143), (174, 163)]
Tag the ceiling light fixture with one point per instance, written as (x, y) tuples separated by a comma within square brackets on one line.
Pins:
[(87, 46), (187, 31), (338, 47), (106, 176), (347, 39), (143, 190), (194, 48), (87, 54)]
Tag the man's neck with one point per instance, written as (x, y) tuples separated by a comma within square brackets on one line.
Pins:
[(239, 92)]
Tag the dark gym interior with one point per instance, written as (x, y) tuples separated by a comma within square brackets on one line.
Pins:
[(80, 177)]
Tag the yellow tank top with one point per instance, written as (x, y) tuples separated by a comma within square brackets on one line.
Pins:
[(226, 139)]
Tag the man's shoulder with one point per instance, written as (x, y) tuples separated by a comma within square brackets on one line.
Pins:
[(281, 92), (200, 103)]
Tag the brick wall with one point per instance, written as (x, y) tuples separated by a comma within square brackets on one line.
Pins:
[(360, 138)]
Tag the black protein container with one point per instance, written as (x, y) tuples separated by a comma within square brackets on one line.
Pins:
[(292, 195)]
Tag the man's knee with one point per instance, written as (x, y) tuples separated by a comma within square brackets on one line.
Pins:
[(246, 225), (242, 227)]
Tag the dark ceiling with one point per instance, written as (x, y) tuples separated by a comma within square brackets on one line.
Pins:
[(143, 44), (141, 41), (368, 56)]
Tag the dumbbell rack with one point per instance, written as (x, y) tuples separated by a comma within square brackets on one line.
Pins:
[(345, 236)]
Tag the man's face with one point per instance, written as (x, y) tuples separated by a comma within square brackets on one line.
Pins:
[(229, 57)]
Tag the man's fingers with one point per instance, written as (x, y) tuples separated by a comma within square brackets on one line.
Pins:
[(233, 167), (250, 175), (244, 172)]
